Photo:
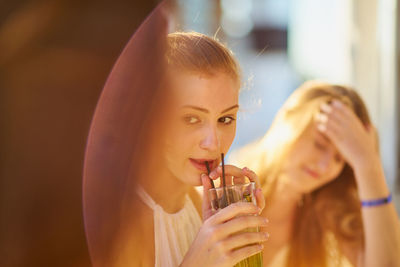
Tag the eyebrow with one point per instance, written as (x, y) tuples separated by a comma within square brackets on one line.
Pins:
[(207, 111), (325, 138)]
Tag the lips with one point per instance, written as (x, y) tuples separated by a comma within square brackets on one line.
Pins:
[(200, 164), (311, 173)]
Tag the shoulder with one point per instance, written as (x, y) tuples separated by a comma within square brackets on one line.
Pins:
[(196, 198), (137, 243)]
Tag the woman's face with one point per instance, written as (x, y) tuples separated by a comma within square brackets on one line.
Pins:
[(202, 124), (312, 161)]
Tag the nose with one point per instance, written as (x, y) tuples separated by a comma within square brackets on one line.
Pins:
[(210, 140), (324, 161)]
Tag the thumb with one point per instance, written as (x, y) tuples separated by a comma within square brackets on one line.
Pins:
[(206, 206)]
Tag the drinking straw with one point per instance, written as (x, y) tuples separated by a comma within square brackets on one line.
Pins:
[(208, 172), (223, 170), (224, 199), (215, 200)]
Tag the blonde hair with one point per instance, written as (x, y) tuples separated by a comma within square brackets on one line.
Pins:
[(184, 51), (199, 53), (333, 207)]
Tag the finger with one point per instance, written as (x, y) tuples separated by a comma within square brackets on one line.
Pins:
[(335, 106), (206, 205), (239, 180), (325, 108), (337, 111), (228, 179), (242, 239), (345, 120), (327, 119), (245, 252), (260, 199), (335, 135), (341, 120), (339, 106), (252, 176), (258, 193), (324, 119), (231, 170), (346, 114), (240, 174), (238, 224), (330, 130), (217, 173), (233, 210)]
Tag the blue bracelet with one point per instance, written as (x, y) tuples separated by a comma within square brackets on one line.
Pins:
[(376, 202)]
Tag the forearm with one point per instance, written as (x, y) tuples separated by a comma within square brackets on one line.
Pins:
[(381, 225)]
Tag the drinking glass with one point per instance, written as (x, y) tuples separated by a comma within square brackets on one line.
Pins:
[(224, 196)]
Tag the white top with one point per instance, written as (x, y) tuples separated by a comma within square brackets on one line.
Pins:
[(173, 232)]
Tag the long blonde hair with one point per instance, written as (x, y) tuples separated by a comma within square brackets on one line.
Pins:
[(333, 207)]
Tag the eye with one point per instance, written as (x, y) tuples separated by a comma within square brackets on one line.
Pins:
[(338, 158), (226, 120), (320, 146), (191, 119)]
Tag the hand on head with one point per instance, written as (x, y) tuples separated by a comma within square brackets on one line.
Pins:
[(355, 141)]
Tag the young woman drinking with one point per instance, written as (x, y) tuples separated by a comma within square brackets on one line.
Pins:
[(168, 107)]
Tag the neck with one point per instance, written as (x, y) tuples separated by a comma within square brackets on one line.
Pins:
[(165, 189), (283, 202)]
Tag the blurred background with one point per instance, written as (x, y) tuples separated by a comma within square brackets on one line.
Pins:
[(55, 56), (282, 43)]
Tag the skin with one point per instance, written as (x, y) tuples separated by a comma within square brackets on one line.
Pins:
[(357, 143), (201, 125), (206, 122), (313, 161), (337, 136)]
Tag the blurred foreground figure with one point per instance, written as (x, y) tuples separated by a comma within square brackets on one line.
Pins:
[(168, 107), (319, 166), (55, 56)]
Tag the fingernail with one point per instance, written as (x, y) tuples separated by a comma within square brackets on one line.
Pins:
[(212, 174), (219, 168), (322, 117), (337, 103), (321, 127), (246, 169), (326, 108), (266, 236)]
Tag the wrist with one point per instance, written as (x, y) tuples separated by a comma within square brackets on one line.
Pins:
[(376, 202), (371, 182), (370, 163)]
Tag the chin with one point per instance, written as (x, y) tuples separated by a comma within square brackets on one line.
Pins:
[(192, 179), (195, 180)]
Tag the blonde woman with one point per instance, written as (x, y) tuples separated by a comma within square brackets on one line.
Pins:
[(320, 170), (168, 108)]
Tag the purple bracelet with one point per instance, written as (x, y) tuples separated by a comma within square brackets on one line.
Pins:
[(376, 202)]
